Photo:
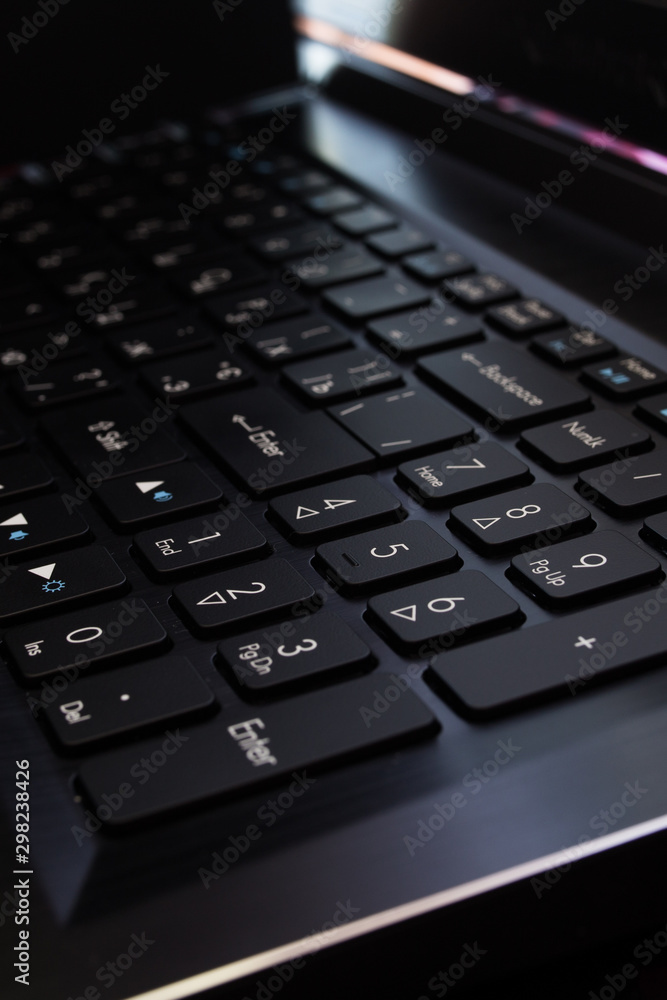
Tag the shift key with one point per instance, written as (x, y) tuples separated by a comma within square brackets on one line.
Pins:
[(250, 745), (504, 383), (269, 445)]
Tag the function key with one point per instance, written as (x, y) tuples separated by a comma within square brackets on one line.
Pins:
[(473, 470), (152, 341), (197, 375), (80, 639), (526, 316), (135, 502), (262, 589), (225, 536), (296, 338), (362, 221), (79, 575), (437, 265), (23, 474), (113, 437), (336, 199), (625, 377), (127, 700), (596, 566), (478, 290), (327, 511), (507, 385), (344, 375), (630, 486), (374, 559), (365, 299), (322, 647), (584, 441), (403, 423), (429, 617), (654, 411), (427, 329), (572, 347), (535, 515), (42, 523), (397, 242)]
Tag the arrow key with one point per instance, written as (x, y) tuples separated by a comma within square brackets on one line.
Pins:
[(333, 509), (38, 524), (140, 500)]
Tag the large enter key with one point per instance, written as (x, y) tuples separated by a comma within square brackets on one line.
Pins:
[(567, 656), (508, 385), (250, 745)]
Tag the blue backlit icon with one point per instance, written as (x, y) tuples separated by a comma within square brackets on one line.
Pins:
[(53, 586), (18, 536), (162, 496), (663, 413), (617, 378)]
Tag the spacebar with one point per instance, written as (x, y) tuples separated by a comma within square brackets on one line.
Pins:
[(564, 657), (247, 746)]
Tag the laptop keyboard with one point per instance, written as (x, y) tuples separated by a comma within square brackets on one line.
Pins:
[(222, 408)]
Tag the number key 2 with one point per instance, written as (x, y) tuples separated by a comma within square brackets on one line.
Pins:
[(538, 514)]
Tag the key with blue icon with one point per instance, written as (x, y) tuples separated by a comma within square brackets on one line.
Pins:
[(152, 497)]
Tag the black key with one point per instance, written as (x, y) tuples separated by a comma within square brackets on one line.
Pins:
[(248, 220), (535, 515), (397, 242), (243, 314), (655, 530), (13, 280), (226, 536), (113, 437), (300, 337), (331, 510), (437, 264), (579, 443), (23, 474), (94, 276), (322, 647), (180, 249), (304, 182), (654, 411), (596, 566), (336, 199), (44, 523), (133, 502), (429, 617), (473, 470), (63, 383), (507, 385), (572, 347), (137, 305), (78, 575), (526, 316), (625, 378), (61, 254), (345, 375), (362, 221), (411, 549), (33, 308), (263, 589), (478, 290), (302, 240), (223, 273), (172, 335), (437, 326), (365, 299), (252, 745), (403, 423), (268, 445), (566, 656), (144, 230), (128, 700), (10, 436), (77, 640), (630, 486), (197, 375), (38, 348), (347, 264)]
